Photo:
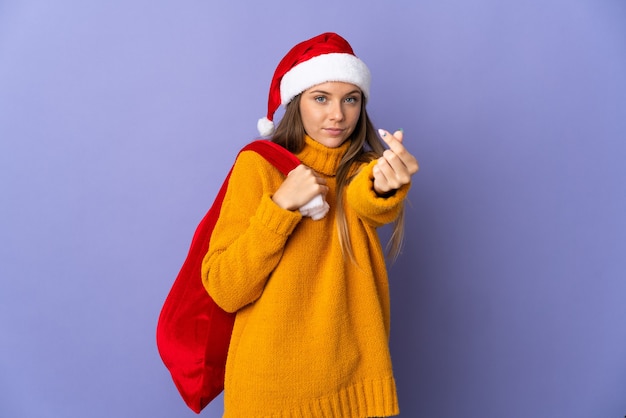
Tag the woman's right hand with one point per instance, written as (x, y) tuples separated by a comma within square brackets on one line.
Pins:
[(301, 185)]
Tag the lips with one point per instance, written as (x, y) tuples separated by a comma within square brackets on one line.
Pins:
[(334, 131)]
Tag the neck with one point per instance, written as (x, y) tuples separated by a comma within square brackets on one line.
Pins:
[(321, 158)]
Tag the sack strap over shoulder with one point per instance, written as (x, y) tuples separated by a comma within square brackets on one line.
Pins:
[(278, 156)]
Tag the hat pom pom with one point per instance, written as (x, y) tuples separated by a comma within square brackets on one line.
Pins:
[(265, 126)]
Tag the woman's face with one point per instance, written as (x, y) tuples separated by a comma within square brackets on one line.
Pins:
[(330, 112)]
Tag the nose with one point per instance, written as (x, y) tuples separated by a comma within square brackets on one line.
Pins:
[(336, 111)]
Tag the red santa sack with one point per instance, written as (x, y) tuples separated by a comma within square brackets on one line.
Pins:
[(193, 333)]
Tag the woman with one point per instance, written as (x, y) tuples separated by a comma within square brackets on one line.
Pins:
[(311, 333)]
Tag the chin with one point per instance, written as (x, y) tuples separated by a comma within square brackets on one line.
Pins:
[(333, 142)]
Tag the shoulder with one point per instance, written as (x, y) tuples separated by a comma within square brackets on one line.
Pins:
[(253, 162), (252, 170)]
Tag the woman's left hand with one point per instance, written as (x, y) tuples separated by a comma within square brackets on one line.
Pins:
[(395, 168)]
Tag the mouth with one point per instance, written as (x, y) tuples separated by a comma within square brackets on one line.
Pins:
[(334, 131)]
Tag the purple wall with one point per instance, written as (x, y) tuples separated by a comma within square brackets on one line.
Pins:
[(119, 119)]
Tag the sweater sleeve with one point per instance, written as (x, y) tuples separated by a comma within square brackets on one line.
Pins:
[(369, 206), (249, 236)]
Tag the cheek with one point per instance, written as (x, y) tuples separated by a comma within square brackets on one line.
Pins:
[(307, 114), (354, 117), (316, 119)]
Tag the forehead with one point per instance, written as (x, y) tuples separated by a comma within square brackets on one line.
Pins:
[(335, 87)]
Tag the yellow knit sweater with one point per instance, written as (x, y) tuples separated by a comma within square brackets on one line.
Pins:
[(312, 329)]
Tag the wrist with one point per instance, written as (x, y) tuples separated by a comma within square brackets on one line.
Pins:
[(385, 194)]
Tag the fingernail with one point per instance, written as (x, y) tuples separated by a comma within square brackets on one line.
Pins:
[(382, 133), (401, 130)]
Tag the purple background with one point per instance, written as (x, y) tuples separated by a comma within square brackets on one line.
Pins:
[(119, 119)]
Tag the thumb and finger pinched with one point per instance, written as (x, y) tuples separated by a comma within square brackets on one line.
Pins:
[(396, 166)]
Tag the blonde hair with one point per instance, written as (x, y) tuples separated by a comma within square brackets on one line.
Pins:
[(365, 146)]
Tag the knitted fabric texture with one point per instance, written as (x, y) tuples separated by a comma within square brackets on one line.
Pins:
[(311, 336)]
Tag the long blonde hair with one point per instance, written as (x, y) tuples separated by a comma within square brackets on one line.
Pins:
[(365, 146)]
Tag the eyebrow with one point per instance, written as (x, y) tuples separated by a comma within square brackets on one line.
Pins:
[(355, 91)]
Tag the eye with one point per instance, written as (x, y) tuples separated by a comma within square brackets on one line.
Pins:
[(320, 99), (352, 100)]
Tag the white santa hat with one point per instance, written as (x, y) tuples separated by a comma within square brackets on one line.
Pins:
[(326, 57)]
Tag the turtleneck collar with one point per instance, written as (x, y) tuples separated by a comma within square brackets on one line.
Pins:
[(321, 158)]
